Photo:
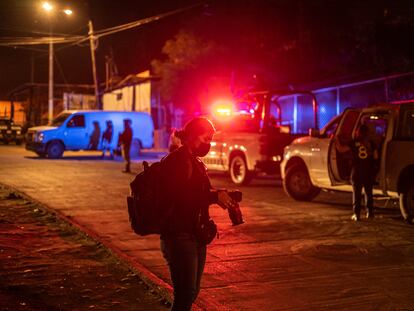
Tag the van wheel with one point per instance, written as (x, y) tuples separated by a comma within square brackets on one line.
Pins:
[(298, 185), (55, 150), (239, 173), (407, 203)]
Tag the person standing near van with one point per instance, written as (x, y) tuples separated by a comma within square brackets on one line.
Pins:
[(363, 172), (96, 135), (125, 138), (107, 140)]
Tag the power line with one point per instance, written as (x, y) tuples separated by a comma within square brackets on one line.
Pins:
[(10, 41), (16, 41)]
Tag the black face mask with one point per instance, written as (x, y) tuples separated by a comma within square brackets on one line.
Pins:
[(202, 150)]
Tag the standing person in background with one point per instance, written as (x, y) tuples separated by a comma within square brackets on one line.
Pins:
[(107, 140), (363, 172), (125, 139), (95, 137)]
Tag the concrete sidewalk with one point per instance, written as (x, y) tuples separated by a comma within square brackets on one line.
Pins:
[(287, 256)]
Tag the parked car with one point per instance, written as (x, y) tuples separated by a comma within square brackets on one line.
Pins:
[(312, 163), (10, 132), (72, 130)]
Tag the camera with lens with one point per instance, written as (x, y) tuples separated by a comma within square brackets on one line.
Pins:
[(235, 213)]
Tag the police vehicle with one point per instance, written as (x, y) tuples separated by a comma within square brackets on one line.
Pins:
[(250, 137)]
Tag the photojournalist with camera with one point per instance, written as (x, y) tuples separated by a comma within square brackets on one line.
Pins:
[(189, 228)]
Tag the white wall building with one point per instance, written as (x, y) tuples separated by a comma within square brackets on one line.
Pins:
[(134, 93)]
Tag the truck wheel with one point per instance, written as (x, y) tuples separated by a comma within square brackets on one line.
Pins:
[(239, 173), (298, 185), (407, 203), (55, 150)]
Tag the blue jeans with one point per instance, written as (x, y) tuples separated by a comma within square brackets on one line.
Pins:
[(186, 259)]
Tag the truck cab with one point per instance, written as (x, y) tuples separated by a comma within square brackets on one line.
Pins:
[(250, 138), (312, 163)]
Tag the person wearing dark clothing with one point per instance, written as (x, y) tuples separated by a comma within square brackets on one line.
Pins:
[(363, 171), (107, 140), (189, 191), (125, 139), (96, 135)]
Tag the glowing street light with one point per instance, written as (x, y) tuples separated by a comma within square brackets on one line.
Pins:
[(68, 11), (47, 6)]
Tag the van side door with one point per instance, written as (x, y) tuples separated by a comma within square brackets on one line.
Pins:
[(76, 133)]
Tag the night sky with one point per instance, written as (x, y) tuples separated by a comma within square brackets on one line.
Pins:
[(283, 41), (133, 49)]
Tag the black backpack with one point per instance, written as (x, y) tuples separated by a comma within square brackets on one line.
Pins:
[(147, 207)]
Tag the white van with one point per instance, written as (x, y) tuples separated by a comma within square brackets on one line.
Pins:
[(72, 130)]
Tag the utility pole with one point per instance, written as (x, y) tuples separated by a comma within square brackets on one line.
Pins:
[(95, 77), (49, 8), (50, 106)]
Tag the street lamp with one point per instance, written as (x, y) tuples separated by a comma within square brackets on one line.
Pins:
[(49, 8), (68, 11)]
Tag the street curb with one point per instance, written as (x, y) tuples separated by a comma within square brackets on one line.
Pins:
[(162, 289)]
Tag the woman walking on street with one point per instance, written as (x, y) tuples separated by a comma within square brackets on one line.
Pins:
[(183, 240)]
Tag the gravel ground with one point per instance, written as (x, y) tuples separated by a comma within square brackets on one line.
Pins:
[(46, 264)]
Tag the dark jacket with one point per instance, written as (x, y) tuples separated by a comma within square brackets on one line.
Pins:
[(363, 162), (107, 135), (126, 137), (189, 191)]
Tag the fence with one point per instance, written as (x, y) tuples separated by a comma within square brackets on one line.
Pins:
[(297, 109)]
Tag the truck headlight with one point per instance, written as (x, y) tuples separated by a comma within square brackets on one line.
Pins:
[(40, 137)]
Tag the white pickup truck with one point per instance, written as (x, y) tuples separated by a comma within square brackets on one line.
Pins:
[(312, 163)]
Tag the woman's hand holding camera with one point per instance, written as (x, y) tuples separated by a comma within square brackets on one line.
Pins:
[(224, 200)]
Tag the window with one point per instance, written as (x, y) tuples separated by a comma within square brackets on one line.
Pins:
[(60, 119), (77, 121), (407, 130), (377, 125), (348, 123), (239, 123), (329, 130)]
